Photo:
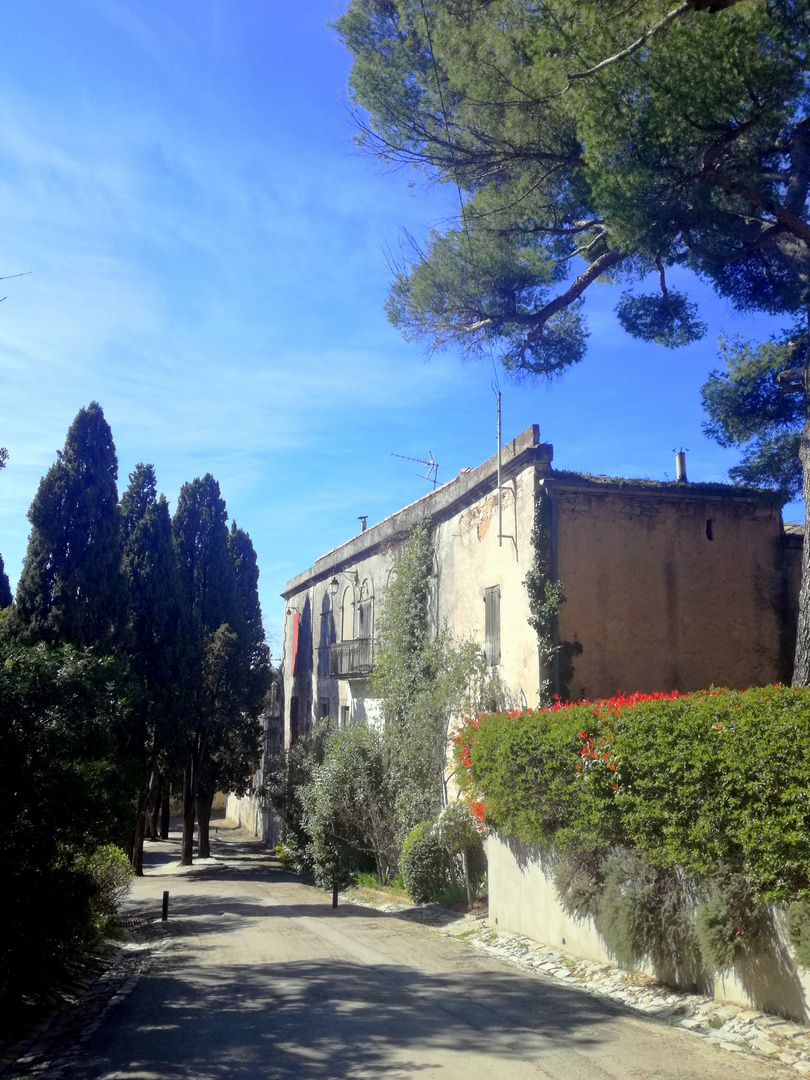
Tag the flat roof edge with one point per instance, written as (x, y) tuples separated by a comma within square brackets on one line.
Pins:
[(466, 488), (572, 481)]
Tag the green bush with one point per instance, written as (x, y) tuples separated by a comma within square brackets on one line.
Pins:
[(676, 819), (717, 784), (286, 777), (798, 925), (109, 871), (726, 925), (425, 863), (349, 808), (579, 881), (645, 914), (63, 777), (289, 854)]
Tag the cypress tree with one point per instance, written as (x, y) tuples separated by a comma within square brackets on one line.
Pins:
[(238, 677), (70, 589), (151, 634), (250, 626), (207, 593), (6, 597)]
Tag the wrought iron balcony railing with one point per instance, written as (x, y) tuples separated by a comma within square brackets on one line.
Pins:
[(351, 658)]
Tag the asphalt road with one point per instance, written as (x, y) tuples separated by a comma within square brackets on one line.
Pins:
[(261, 979)]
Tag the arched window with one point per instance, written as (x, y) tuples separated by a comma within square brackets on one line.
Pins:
[(365, 610), (347, 615)]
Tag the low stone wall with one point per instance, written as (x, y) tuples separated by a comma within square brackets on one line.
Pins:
[(248, 813), (523, 900)]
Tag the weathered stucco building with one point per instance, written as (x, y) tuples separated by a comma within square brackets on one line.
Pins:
[(668, 586)]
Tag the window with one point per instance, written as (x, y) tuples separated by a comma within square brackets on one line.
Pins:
[(344, 715), (347, 615), (364, 611), (492, 624), (323, 708)]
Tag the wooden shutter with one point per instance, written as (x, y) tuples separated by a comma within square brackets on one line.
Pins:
[(492, 624)]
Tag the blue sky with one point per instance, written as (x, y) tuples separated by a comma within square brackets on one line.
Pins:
[(207, 257)]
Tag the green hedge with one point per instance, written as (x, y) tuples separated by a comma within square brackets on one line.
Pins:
[(425, 863), (716, 784)]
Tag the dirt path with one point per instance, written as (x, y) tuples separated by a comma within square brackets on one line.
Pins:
[(258, 978)]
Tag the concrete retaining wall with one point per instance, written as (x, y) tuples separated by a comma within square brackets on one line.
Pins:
[(523, 900)]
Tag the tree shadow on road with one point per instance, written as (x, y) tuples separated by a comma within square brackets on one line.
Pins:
[(331, 1019), (212, 912)]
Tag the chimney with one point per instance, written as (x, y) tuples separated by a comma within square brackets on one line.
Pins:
[(363, 519), (680, 466)]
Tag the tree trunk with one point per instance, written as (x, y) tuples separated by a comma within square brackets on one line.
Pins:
[(190, 781), (149, 813), (142, 825), (205, 800), (136, 857), (452, 866), (467, 879), (801, 666), (165, 807)]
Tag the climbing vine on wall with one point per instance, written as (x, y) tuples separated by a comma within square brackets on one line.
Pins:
[(546, 595)]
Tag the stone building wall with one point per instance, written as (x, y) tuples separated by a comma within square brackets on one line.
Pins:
[(668, 586), (671, 587), (468, 560)]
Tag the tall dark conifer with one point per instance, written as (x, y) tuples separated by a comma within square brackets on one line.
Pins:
[(70, 589), (6, 597), (237, 676), (151, 633), (207, 590), (255, 653)]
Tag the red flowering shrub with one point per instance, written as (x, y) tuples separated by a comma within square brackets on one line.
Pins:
[(716, 782)]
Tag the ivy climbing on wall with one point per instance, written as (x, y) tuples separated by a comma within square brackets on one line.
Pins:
[(546, 595)]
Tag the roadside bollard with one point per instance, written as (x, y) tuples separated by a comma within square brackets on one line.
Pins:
[(334, 893), (165, 906)]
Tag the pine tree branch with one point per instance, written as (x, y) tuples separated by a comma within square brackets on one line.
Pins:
[(682, 9), (536, 320)]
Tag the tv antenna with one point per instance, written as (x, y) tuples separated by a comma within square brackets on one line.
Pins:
[(432, 474)]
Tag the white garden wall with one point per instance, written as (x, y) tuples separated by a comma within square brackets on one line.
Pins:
[(523, 900)]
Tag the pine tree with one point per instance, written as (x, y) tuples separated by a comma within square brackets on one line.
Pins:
[(6, 597), (70, 589)]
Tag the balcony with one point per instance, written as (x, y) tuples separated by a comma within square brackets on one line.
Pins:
[(351, 659)]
